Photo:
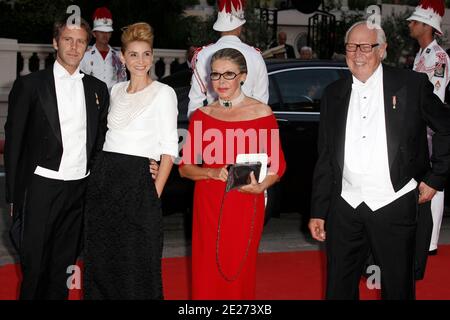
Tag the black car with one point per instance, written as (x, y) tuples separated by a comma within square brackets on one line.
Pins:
[(295, 89)]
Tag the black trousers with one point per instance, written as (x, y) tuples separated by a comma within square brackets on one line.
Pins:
[(389, 233), (51, 236)]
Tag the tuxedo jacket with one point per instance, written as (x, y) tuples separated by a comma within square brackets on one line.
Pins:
[(33, 132), (290, 54), (407, 115)]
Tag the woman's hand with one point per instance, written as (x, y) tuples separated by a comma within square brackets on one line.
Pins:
[(254, 187), (154, 168), (218, 173)]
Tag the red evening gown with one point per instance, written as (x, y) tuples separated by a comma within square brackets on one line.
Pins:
[(225, 269)]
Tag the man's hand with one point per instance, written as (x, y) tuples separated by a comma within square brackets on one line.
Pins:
[(426, 193), (154, 168), (317, 228)]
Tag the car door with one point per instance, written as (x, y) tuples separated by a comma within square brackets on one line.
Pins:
[(295, 95)]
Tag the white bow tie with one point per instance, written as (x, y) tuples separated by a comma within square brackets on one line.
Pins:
[(359, 87), (75, 76)]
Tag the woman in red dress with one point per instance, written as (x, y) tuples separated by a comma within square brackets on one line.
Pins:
[(227, 227)]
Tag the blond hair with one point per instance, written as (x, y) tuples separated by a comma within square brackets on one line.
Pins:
[(140, 31)]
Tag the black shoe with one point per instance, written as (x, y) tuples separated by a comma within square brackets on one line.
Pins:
[(432, 252)]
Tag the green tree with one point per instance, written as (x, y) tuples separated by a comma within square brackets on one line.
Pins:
[(201, 31), (400, 43), (166, 17), (255, 32), (31, 21)]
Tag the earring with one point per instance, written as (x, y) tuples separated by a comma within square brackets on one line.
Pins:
[(241, 83)]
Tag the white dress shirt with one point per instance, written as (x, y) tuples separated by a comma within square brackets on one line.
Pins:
[(256, 85), (366, 177), (72, 118), (143, 123)]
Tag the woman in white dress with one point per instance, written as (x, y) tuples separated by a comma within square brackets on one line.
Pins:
[(123, 236)]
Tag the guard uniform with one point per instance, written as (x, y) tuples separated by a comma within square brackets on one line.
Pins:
[(110, 70), (434, 61)]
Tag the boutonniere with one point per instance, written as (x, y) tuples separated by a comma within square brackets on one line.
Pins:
[(394, 102), (96, 101)]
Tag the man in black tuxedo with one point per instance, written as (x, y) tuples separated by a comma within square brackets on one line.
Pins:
[(373, 178), (56, 122)]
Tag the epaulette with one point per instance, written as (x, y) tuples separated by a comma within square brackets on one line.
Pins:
[(114, 50), (437, 47), (196, 52)]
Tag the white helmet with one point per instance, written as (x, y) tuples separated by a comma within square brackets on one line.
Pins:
[(430, 12), (102, 20), (230, 16)]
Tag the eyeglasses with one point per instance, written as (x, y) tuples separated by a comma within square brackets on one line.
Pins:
[(364, 47), (228, 75)]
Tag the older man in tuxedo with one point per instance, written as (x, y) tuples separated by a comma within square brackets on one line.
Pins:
[(56, 122), (373, 175)]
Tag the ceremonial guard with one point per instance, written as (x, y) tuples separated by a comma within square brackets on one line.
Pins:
[(425, 24), (101, 60)]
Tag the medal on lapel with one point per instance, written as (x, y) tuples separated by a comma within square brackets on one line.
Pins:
[(96, 101), (394, 102)]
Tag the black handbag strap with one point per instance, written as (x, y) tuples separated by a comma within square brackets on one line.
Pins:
[(241, 265)]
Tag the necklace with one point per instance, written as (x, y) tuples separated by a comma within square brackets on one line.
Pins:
[(125, 107), (230, 103)]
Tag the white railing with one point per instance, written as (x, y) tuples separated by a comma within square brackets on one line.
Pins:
[(168, 56), (27, 50), (44, 50)]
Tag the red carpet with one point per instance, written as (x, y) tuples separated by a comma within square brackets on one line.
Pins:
[(283, 275)]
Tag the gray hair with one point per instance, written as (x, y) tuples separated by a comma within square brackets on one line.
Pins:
[(381, 36), (232, 55), (306, 48)]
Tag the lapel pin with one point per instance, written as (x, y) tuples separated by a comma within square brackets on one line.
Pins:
[(96, 100), (394, 102)]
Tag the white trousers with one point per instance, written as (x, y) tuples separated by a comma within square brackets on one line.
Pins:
[(437, 211), (437, 205)]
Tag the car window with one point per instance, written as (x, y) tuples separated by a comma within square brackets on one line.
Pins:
[(274, 97), (301, 89)]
